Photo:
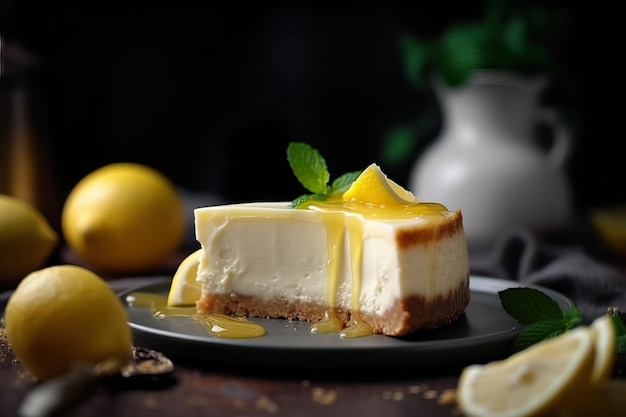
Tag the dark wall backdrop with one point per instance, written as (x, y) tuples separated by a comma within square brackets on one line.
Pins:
[(211, 95)]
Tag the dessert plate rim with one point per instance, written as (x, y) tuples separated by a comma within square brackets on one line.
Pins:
[(483, 333)]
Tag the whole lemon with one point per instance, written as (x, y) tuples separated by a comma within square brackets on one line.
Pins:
[(26, 240), (62, 315), (124, 217)]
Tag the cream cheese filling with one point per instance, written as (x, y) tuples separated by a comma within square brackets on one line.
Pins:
[(325, 255)]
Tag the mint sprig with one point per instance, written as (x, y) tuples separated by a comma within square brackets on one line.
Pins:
[(310, 168), (535, 332), (542, 316), (544, 319), (529, 305)]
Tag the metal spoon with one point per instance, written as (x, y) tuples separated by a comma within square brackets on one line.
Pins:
[(54, 396)]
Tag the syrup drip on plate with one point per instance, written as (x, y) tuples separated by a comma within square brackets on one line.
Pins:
[(219, 325), (333, 324), (222, 325)]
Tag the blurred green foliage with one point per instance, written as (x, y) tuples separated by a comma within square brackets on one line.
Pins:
[(511, 36), (521, 36)]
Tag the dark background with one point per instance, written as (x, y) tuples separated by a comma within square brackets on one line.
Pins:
[(211, 95)]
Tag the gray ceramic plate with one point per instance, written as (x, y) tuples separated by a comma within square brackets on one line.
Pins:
[(483, 333)]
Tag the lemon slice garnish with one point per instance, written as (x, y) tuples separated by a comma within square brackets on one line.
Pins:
[(373, 187), (606, 348), (537, 381), (185, 290)]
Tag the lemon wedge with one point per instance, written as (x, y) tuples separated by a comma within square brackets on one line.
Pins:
[(537, 381), (606, 348), (185, 290), (373, 187)]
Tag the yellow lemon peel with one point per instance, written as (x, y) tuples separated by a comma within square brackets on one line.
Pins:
[(124, 217), (373, 187), (26, 240), (63, 315)]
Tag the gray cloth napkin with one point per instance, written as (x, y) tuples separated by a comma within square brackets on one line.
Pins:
[(592, 285)]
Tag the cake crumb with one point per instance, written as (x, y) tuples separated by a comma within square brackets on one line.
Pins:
[(414, 389), (447, 397), (397, 396), (266, 404), (239, 404), (197, 401), (150, 403), (324, 396), (393, 395), (431, 394)]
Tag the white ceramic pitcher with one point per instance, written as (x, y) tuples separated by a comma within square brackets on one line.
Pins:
[(487, 161)]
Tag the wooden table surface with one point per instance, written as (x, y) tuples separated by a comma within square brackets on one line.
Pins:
[(207, 390)]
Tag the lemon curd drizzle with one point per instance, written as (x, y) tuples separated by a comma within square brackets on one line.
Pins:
[(219, 325), (335, 222)]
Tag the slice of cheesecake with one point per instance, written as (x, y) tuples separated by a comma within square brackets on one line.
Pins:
[(342, 264)]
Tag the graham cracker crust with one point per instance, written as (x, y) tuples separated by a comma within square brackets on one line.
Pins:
[(407, 315)]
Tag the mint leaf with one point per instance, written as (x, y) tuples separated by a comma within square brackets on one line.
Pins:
[(529, 305), (537, 332), (309, 167), (301, 200), (573, 317), (308, 197), (541, 315), (544, 319), (342, 183)]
